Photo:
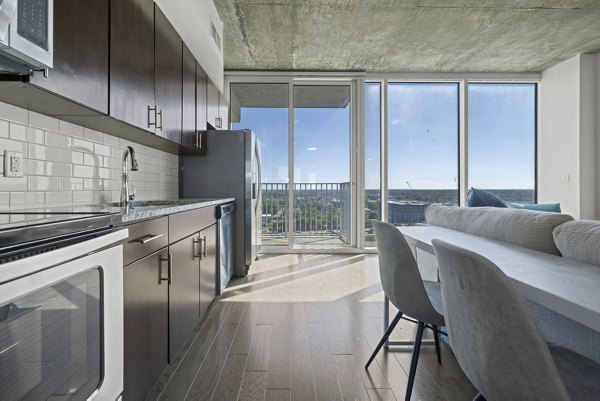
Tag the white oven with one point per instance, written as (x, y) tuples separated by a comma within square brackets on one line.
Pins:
[(61, 320)]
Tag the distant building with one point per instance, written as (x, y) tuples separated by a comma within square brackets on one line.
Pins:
[(406, 213)]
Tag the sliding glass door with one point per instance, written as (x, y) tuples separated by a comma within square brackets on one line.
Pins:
[(322, 192), (306, 130), (264, 109)]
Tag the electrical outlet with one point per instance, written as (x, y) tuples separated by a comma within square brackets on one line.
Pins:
[(566, 178), (13, 164)]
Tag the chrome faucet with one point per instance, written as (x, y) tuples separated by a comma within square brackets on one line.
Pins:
[(125, 196)]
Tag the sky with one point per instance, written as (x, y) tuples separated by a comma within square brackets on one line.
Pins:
[(422, 141)]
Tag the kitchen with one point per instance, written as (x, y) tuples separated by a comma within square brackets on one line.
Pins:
[(106, 269), (242, 200)]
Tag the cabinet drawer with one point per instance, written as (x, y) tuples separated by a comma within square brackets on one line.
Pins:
[(144, 238), (186, 223)]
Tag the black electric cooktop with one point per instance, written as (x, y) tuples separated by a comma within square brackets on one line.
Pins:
[(27, 226)]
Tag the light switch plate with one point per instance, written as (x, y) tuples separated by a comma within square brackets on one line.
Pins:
[(13, 164)]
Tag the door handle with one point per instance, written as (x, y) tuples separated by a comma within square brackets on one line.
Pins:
[(197, 242), (150, 238), (204, 251), (169, 277), (160, 114), (150, 123), (198, 141)]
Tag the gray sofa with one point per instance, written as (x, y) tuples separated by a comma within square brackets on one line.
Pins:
[(551, 233)]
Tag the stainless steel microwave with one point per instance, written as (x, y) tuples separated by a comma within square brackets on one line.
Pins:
[(26, 35)]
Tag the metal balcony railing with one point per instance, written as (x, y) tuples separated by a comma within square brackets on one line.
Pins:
[(320, 210)]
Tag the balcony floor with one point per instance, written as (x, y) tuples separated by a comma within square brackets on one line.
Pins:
[(308, 242)]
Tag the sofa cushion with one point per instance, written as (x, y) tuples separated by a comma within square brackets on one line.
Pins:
[(527, 228), (579, 240), (542, 207), (481, 198)]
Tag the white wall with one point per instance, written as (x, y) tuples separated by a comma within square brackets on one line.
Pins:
[(567, 140), (67, 164)]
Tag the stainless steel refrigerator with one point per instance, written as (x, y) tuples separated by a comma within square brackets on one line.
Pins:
[(230, 169)]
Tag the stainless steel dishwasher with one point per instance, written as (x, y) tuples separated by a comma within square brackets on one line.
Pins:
[(225, 232)]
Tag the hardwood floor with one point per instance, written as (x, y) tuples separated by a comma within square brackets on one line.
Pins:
[(301, 328)]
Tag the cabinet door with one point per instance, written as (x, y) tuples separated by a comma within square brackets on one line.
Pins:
[(208, 268), (212, 109), (223, 112), (188, 134), (184, 291), (132, 62), (146, 322), (80, 70), (168, 59), (201, 101)]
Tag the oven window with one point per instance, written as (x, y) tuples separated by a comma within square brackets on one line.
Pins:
[(50, 341)]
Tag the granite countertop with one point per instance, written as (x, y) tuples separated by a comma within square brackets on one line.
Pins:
[(137, 210), (146, 210)]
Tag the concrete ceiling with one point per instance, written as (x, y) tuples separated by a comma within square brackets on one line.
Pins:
[(407, 35)]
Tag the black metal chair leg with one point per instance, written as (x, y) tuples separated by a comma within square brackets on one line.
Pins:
[(436, 336), (479, 397), (384, 338), (414, 361)]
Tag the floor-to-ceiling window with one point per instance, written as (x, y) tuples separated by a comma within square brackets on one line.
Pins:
[(422, 148), (501, 139)]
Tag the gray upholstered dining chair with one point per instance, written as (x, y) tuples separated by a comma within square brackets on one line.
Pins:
[(403, 286), (496, 340)]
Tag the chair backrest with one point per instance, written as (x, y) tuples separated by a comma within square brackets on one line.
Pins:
[(400, 275), (493, 334)]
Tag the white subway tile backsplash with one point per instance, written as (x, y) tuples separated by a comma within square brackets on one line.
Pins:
[(34, 167), (58, 140), (8, 112), (18, 132), (70, 129), (44, 122), (56, 169), (84, 171), (42, 183), (92, 135), (59, 198), (66, 164), (100, 149), (34, 135)]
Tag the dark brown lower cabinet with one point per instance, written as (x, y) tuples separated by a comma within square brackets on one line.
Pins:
[(184, 291), (146, 320), (208, 268)]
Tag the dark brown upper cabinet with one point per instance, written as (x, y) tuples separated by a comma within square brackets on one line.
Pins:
[(189, 138), (201, 101), (168, 59), (212, 108), (132, 63), (80, 70)]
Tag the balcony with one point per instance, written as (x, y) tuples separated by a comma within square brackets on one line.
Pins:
[(321, 214)]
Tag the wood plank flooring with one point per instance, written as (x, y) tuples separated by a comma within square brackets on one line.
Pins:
[(301, 328)]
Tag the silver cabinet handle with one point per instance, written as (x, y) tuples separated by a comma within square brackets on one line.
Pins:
[(198, 141), (150, 123), (160, 114), (169, 277), (150, 238), (197, 244), (204, 249)]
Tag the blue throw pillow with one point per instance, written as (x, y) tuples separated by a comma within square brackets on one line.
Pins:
[(480, 198), (541, 207)]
